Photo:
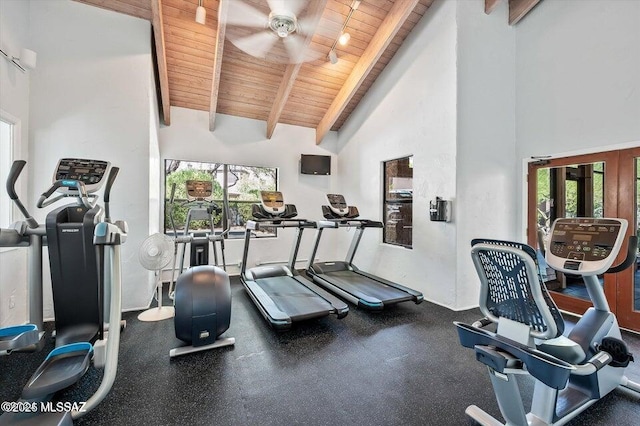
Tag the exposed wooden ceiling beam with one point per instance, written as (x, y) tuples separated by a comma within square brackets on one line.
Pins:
[(223, 6), (291, 72), (519, 8), (158, 37), (489, 5), (397, 15)]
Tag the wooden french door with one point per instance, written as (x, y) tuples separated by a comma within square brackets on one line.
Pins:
[(604, 184)]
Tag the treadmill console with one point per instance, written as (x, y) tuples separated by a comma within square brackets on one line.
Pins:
[(338, 204), (585, 246), (272, 202), (90, 172), (199, 190)]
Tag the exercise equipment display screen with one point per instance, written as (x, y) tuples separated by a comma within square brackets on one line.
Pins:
[(89, 172), (272, 198), (585, 244), (337, 201), (199, 189)]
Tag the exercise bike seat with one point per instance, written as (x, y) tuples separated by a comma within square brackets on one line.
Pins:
[(63, 367), (563, 348)]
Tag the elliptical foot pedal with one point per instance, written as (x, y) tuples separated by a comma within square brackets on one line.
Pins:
[(20, 336), (618, 351), (63, 367)]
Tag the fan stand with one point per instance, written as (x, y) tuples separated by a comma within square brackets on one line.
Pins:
[(161, 312)]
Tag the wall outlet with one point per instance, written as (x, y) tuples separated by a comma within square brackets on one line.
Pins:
[(12, 302)]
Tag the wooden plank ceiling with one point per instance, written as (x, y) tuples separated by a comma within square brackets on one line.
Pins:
[(205, 71)]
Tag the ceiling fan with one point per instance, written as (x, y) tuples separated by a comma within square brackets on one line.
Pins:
[(275, 31)]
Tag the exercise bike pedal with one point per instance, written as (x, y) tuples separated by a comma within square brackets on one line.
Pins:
[(618, 351)]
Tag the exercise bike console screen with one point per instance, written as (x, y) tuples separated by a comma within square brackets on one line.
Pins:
[(272, 201), (199, 189), (89, 172), (587, 246)]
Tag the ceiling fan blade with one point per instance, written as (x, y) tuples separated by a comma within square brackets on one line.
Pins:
[(297, 7), (295, 48), (309, 25), (299, 51), (258, 44), (243, 15)]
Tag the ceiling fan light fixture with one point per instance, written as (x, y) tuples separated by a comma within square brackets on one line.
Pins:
[(344, 39), (282, 23), (201, 13)]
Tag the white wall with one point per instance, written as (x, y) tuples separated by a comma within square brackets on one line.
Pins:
[(14, 100), (90, 98), (410, 109), (577, 78), (242, 141), (486, 162)]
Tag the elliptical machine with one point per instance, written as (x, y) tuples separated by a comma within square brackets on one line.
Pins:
[(572, 372), (201, 207), (82, 241), (202, 294)]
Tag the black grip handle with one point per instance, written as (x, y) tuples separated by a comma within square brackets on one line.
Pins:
[(632, 250), (14, 173), (113, 173)]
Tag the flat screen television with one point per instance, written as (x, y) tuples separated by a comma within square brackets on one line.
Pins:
[(315, 164)]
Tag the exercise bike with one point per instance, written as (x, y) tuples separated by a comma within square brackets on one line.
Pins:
[(571, 372)]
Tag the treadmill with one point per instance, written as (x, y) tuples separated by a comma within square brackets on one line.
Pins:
[(365, 290), (283, 296)]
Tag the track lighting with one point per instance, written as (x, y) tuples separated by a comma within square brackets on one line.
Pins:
[(201, 13), (344, 36), (26, 61)]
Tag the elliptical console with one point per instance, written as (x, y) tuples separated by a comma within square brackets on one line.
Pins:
[(89, 172), (199, 190)]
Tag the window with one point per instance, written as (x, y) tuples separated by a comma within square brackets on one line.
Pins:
[(237, 187), (398, 201), (7, 134)]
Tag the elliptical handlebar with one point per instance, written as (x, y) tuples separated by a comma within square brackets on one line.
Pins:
[(113, 173), (171, 205), (14, 173), (43, 201), (632, 250)]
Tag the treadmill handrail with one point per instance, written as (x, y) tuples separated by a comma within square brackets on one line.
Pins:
[(256, 224), (360, 223), (327, 224)]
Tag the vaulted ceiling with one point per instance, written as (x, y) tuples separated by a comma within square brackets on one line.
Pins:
[(200, 68)]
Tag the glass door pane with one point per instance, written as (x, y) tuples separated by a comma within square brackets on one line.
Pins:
[(574, 190)]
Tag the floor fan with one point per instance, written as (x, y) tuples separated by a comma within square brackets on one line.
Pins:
[(156, 252)]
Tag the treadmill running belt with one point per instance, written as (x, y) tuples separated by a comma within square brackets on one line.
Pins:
[(358, 285), (293, 298)]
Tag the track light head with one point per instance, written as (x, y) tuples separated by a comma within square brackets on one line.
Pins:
[(201, 14), (333, 57)]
